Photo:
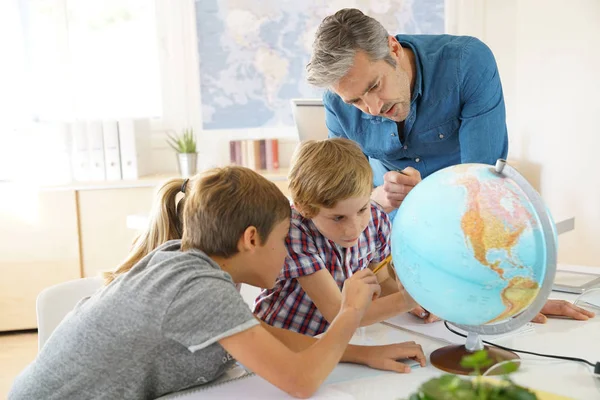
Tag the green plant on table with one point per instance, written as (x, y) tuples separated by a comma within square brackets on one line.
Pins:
[(452, 387)]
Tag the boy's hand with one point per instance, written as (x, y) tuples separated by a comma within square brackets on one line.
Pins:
[(360, 290), (388, 357)]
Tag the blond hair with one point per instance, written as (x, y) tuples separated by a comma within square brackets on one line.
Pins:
[(327, 171), (216, 209)]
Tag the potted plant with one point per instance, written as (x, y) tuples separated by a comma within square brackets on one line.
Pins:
[(452, 387), (185, 146)]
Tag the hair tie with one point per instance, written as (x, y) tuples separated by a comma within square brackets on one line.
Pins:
[(184, 186)]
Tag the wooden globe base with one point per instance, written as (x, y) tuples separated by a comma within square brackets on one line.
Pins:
[(448, 359)]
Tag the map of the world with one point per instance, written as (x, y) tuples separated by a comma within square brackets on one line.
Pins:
[(253, 53)]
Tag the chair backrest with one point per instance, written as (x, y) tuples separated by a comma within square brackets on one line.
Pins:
[(55, 302)]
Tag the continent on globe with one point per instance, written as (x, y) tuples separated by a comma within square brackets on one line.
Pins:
[(519, 294), (468, 246)]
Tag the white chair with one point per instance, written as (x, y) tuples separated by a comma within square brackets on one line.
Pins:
[(249, 294), (55, 302)]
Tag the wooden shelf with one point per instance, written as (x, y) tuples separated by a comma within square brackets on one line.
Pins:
[(146, 181)]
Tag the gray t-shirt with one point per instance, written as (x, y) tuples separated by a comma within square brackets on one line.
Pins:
[(152, 331)]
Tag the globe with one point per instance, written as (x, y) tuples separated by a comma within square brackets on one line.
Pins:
[(475, 245)]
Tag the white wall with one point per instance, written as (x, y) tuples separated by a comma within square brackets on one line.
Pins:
[(547, 53), (558, 113)]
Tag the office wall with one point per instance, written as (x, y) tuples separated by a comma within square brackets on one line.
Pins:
[(548, 60)]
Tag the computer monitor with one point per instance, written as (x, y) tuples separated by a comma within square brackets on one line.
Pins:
[(309, 116)]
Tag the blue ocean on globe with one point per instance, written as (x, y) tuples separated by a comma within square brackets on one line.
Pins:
[(468, 246)]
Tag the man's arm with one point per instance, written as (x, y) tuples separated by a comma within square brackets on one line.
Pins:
[(483, 135)]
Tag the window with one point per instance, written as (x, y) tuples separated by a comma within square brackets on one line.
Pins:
[(68, 60), (91, 59)]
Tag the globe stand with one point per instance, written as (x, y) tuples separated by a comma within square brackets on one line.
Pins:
[(448, 358)]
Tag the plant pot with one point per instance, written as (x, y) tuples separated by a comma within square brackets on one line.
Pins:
[(187, 163)]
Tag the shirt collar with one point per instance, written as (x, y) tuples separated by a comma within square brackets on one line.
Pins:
[(418, 89)]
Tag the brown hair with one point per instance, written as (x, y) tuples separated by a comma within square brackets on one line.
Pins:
[(327, 171), (217, 208)]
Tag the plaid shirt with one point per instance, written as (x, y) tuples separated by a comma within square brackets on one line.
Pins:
[(287, 305)]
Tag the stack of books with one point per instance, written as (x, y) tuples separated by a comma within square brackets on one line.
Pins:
[(261, 154)]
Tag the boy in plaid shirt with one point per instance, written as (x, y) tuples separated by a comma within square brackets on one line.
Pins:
[(335, 231)]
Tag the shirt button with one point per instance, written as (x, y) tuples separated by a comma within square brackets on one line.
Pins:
[(393, 134), (417, 159), (441, 135), (405, 147)]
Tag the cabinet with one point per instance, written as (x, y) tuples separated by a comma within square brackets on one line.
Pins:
[(39, 247), (105, 239), (52, 235)]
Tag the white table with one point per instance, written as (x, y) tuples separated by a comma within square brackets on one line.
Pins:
[(557, 336), (561, 337)]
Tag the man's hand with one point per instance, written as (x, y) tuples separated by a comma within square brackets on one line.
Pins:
[(425, 315), (388, 357), (562, 308), (396, 185)]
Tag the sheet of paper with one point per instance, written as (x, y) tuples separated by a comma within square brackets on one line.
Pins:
[(573, 278), (592, 298), (352, 372), (437, 330)]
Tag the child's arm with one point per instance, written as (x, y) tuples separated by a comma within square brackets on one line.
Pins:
[(324, 292), (301, 373), (384, 357)]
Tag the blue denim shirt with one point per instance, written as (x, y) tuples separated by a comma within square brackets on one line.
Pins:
[(457, 111)]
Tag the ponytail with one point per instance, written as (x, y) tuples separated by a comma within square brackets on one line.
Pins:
[(164, 225), (219, 206)]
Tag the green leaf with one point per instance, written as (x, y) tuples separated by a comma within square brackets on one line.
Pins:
[(515, 392), (186, 143), (451, 387), (476, 360), (448, 387), (509, 367)]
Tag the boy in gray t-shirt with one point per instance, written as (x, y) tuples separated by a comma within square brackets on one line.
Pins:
[(170, 316), (152, 331)]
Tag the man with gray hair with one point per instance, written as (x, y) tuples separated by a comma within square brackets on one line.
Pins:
[(414, 103)]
